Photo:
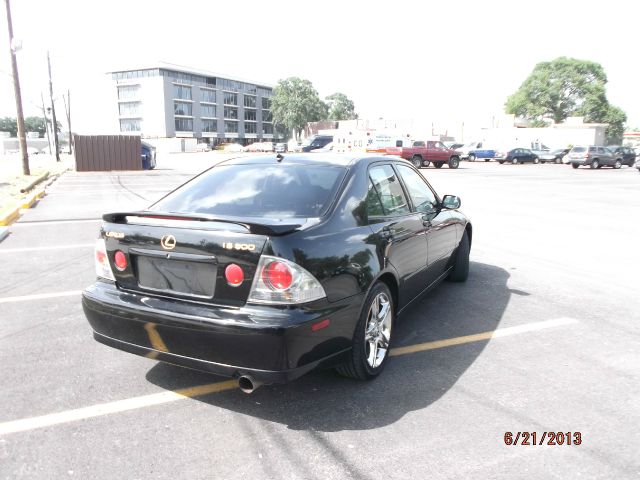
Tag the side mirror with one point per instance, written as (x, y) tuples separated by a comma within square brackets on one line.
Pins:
[(451, 202)]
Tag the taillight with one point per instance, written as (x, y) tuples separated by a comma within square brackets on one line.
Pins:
[(277, 276), (234, 275), (120, 259), (103, 269), (280, 281)]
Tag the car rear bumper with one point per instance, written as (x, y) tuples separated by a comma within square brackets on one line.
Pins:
[(272, 344)]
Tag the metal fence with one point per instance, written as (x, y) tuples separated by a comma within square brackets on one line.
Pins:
[(101, 153)]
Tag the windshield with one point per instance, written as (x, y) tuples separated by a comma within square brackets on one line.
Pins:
[(268, 191)]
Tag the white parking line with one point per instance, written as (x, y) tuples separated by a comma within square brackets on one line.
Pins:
[(49, 247), (40, 296), (143, 401)]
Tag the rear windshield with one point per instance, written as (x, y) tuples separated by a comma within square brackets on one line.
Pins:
[(578, 149), (267, 191)]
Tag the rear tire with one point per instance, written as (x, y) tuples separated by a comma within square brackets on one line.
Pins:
[(460, 270), (438, 164), (617, 165), (501, 162), (536, 160), (487, 159), (575, 165), (514, 161), (594, 164), (558, 160), (374, 328), (454, 162), (417, 161)]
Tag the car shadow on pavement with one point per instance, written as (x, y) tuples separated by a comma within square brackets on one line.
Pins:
[(325, 401)]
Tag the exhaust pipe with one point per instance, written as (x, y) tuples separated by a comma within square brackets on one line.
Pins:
[(248, 384)]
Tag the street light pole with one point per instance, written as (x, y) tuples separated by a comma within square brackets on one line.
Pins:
[(53, 111), (16, 87)]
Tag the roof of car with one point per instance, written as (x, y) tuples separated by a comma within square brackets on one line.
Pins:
[(303, 159)]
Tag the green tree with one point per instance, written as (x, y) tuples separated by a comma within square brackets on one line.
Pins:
[(36, 124), (340, 107), (567, 87), (295, 102), (31, 124), (8, 124), (616, 118), (556, 90)]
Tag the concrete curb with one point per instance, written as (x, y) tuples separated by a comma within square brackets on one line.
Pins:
[(31, 199), (9, 215)]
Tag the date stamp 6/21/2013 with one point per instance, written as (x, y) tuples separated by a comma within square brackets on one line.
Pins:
[(544, 438)]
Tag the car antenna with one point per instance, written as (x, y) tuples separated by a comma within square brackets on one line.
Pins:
[(279, 157)]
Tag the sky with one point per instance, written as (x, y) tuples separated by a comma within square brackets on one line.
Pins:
[(451, 61)]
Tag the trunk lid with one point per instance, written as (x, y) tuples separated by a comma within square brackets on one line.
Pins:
[(185, 256)]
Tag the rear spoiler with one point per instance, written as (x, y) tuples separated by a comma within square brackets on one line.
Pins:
[(265, 226)]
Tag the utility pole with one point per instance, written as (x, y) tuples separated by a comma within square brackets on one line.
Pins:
[(67, 108), (54, 125), (46, 122), (16, 87)]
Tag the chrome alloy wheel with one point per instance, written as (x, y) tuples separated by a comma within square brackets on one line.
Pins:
[(378, 331)]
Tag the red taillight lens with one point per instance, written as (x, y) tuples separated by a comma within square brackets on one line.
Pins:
[(120, 259), (277, 276), (234, 275)]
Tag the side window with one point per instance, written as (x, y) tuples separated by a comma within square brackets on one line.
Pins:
[(398, 143), (389, 190), (600, 150), (374, 207), (423, 198), (592, 149)]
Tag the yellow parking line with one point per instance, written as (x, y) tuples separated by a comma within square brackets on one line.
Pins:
[(118, 406), (478, 337)]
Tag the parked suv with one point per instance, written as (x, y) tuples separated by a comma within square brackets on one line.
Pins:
[(628, 154), (319, 141), (594, 156)]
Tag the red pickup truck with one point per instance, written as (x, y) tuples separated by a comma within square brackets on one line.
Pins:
[(421, 154)]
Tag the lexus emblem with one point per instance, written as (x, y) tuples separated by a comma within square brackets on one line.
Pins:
[(168, 242)]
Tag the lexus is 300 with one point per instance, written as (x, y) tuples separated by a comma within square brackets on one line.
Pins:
[(264, 268)]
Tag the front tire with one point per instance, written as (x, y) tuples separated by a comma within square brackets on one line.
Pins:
[(472, 157), (595, 164), (460, 270), (454, 162), (617, 165), (372, 337), (514, 161), (438, 164), (536, 160), (501, 162), (417, 161), (575, 165)]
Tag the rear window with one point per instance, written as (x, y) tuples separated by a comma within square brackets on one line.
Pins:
[(578, 149), (266, 191)]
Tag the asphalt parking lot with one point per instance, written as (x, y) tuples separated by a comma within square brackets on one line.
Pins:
[(543, 337)]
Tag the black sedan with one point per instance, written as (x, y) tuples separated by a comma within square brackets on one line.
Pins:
[(263, 268), (517, 155)]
